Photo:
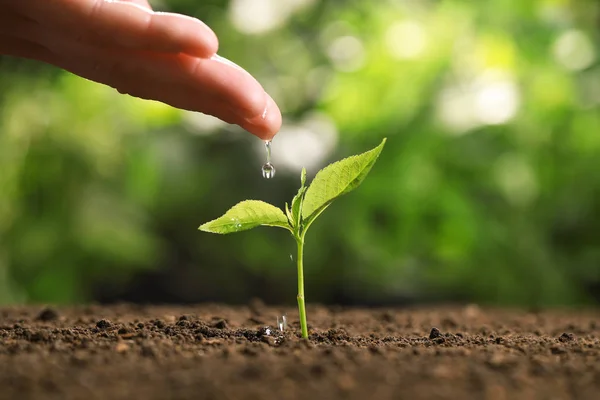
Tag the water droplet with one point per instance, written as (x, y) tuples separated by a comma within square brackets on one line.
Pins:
[(236, 223), (282, 323), (268, 170), (291, 258), (268, 149)]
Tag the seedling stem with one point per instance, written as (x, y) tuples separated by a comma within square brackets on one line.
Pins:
[(301, 306)]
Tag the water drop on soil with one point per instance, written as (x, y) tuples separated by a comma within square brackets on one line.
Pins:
[(282, 323)]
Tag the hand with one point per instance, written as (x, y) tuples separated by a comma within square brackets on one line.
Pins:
[(124, 44)]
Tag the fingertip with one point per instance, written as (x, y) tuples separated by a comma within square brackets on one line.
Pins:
[(242, 90), (266, 125), (212, 41), (273, 118)]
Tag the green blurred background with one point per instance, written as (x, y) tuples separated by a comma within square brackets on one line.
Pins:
[(488, 189)]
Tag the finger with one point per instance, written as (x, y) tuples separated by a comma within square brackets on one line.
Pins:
[(226, 81), (136, 80), (263, 126), (143, 3), (124, 24), (179, 95), (212, 76), (11, 46), (20, 27), (266, 125), (231, 81), (217, 75)]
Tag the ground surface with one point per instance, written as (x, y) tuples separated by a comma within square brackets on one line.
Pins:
[(217, 352)]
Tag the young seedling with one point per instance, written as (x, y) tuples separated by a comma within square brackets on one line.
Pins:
[(330, 183)]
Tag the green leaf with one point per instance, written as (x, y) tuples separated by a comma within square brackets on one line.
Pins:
[(289, 214), (297, 205), (298, 199), (337, 179), (303, 177), (246, 215)]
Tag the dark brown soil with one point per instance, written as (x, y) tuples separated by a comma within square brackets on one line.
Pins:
[(218, 352)]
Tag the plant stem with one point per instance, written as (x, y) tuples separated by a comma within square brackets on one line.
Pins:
[(301, 306)]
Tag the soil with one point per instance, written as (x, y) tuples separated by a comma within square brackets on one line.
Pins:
[(220, 352)]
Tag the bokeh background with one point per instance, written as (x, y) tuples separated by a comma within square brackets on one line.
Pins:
[(488, 189)]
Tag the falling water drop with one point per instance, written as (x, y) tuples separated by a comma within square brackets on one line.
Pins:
[(268, 170), (268, 149)]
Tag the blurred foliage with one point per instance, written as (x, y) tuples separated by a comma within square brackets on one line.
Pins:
[(488, 190)]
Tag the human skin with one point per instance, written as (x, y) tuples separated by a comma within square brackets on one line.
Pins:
[(124, 44)]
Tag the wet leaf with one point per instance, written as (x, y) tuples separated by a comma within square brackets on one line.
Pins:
[(336, 180), (246, 215)]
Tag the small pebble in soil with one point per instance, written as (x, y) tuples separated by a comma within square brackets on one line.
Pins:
[(123, 331), (47, 314), (184, 323), (103, 324), (566, 337), (221, 324), (435, 333)]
